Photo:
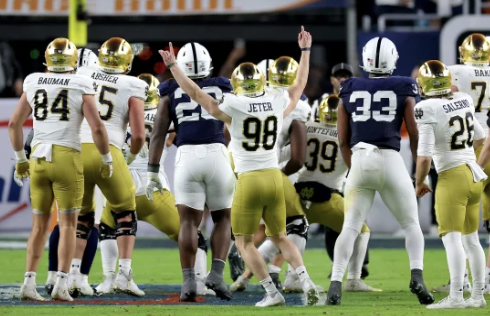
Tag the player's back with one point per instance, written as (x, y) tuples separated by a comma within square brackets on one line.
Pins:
[(193, 124), (324, 163), (474, 81), (113, 94), (56, 101), (254, 129), (376, 108), (454, 131)]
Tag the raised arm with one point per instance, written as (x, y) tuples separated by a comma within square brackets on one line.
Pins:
[(192, 89), (296, 90), (343, 128)]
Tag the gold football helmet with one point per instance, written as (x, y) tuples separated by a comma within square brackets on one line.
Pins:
[(248, 80), (153, 95), (116, 56), (282, 72), (327, 110), (61, 55), (434, 79), (475, 50)]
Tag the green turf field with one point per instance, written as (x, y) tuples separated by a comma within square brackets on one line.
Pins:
[(389, 270)]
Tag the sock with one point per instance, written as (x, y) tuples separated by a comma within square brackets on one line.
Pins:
[(303, 275), (217, 266), (109, 253), (414, 243), (343, 251), (268, 250), (75, 265), (90, 250), (456, 263), (476, 256), (62, 278), (268, 285), (487, 275), (30, 278), (201, 264), (189, 273), (53, 249), (359, 254), (125, 264), (274, 269), (300, 242), (51, 277)]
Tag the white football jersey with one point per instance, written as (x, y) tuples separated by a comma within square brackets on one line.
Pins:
[(255, 126), (474, 81), (113, 94), (454, 127), (324, 162), (56, 101), (300, 113)]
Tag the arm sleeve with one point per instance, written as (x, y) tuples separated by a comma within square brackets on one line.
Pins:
[(226, 105), (87, 86), (427, 140), (139, 89), (479, 132)]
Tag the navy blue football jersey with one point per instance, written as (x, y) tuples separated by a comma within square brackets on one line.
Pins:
[(193, 124), (375, 107)]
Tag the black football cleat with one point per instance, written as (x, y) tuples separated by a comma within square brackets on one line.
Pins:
[(276, 280), (334, 294), (417, 287), (364, 272), (236, 263), (188, 291), (49, 288)]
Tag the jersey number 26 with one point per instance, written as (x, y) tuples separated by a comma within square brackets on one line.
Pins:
[(465, 126)]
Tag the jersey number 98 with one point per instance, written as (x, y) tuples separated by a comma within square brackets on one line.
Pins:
[(267, 130), (465, 126)]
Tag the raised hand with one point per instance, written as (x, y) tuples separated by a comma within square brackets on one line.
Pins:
[(304, 38), (168, 56)]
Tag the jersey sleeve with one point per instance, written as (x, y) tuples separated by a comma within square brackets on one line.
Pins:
[(409, 88), (167, 87), (344, 88), (283, 98), (227, 105), (479, 132), (28, 82), (139, 89), (86, 85), (425, 114), (427, 140), (301, 112)]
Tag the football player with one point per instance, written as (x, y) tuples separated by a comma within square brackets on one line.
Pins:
[(473, 78), (120, 99), (203, 175), (255, 117), (59, 100), (447, 133), (370, 115)]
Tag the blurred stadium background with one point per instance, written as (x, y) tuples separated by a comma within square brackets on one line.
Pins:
[(233, 31)]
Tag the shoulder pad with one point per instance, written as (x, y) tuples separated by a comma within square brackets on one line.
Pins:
[(167, 87), (222, 82), (425, 113), (407, 86), (304, 97), (345, 87)]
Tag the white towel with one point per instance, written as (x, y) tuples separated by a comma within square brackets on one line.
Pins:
[(43, 151), (478, 173)]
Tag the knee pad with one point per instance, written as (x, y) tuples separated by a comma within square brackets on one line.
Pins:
[(297, 225), (201, 241), (132, 225), (85, 230), (106, 232)]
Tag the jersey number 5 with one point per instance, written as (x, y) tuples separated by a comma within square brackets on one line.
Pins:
[(465, 125), (266, 130), (104, 102), (59, 106), (367, 100)]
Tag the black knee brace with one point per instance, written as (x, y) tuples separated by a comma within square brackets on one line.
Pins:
[(132, 225), (295, 228), (106, 232), (85, 230), (201, 241)]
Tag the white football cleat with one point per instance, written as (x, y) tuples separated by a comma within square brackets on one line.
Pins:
[(107, 285), (29, 293), (125, 284), (358, 286), (273, 299), (240, 284), (86, 289), (311, 293), (446, 287), (201, 287), (292, 284), (447, 303), (474, 303), (61, 292)]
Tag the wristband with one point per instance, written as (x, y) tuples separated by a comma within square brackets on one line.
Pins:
[(306, 49), (171, 65), (20, 155), (153, 168), (107, 158)]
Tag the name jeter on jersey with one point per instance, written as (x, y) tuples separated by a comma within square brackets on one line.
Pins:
[(260, 107)]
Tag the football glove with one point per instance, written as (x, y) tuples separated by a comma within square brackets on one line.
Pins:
[(106, 167), (21, 167), (152, 184), (130, 157)]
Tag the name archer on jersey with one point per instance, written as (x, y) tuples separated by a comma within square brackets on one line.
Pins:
[(482, 72), (456, 105), (104, 77), (59, 81), (149, 117), (321, 131), (260, 107)]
